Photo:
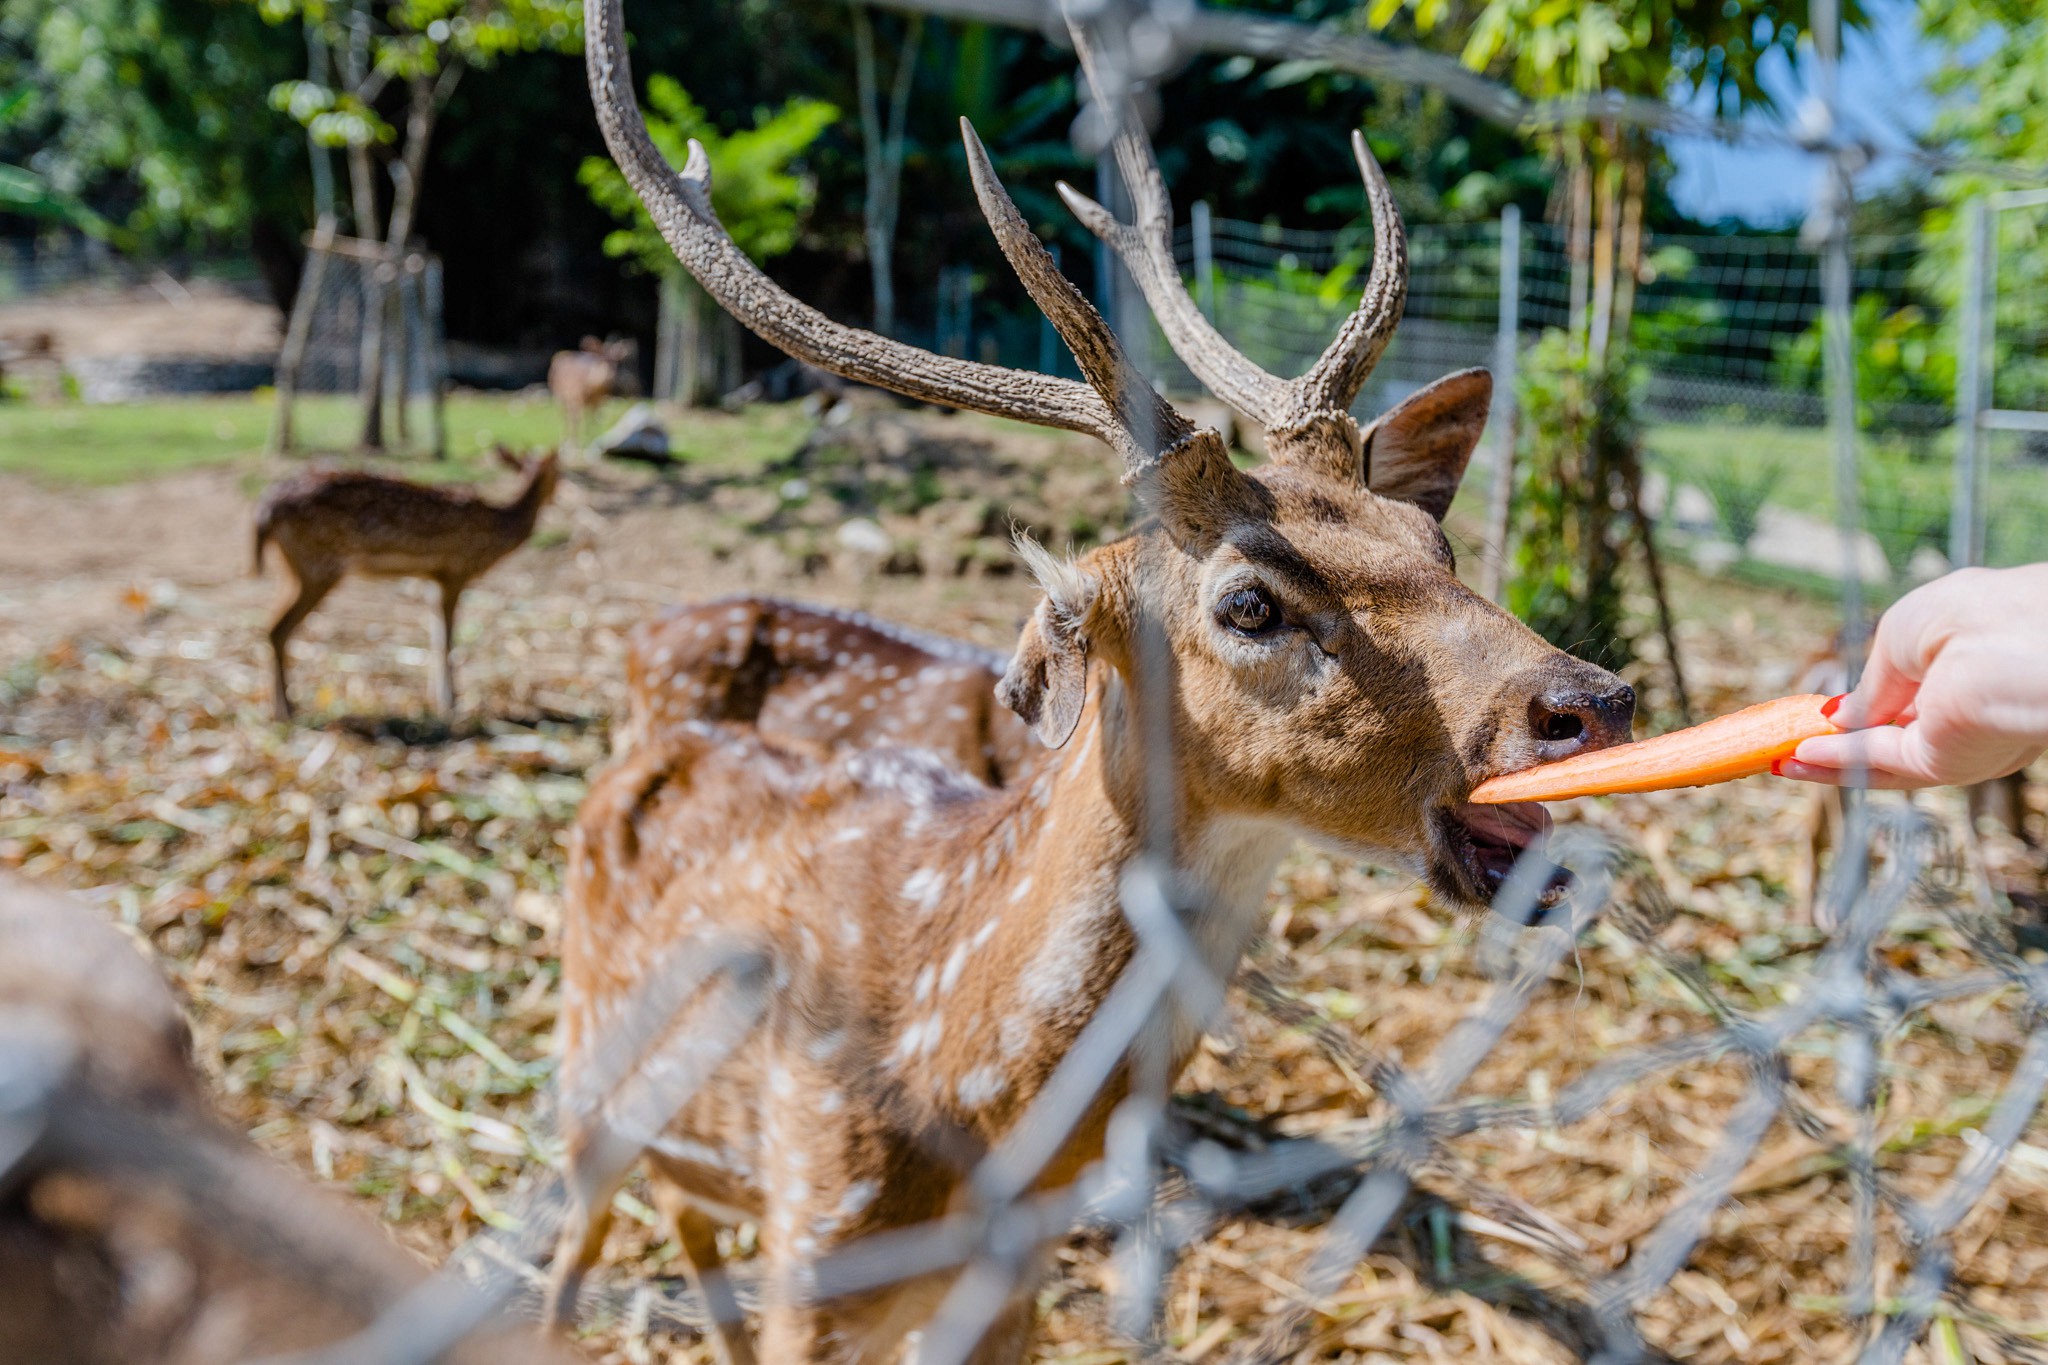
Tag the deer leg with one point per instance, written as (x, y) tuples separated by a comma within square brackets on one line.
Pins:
[(444, 641), (585, 1222), (696, 1232), (311, 587)]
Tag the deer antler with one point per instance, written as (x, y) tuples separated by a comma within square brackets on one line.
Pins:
[(680, 205), (1146, 249)]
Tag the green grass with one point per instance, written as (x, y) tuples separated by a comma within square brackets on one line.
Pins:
[(1899, 494), (78, 443)]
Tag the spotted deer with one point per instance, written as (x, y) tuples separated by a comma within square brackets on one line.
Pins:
[(329, 524), (135, 1225), (1272, 653), (581, 379), (805, 675)]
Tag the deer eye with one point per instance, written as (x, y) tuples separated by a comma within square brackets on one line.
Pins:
[(1249, 611)]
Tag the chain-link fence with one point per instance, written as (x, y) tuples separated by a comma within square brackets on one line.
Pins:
[(1723, 331), (368, 320)]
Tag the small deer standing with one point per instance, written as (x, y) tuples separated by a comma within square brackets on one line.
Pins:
[(583, 378), (331, 524)]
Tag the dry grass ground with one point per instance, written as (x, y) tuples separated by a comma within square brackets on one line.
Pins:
[(361, 912)]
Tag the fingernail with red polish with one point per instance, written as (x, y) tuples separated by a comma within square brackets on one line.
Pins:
[(1777, 767), (1827, 708)]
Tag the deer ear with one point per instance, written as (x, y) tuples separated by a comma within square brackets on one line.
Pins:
[(1418, 452), (1047, 680)]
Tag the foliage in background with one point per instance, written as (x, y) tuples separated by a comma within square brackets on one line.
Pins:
[(1578, 419), (148, 114), (1905, 366), (1994, 78), (1739, 493), (758, 196)]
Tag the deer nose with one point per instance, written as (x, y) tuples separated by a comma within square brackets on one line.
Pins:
[(1566, 720)]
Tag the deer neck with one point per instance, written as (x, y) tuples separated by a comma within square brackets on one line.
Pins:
[(1035, 932), (523, 511)]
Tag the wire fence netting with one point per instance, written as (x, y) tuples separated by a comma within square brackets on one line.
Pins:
[(1832, 1077)]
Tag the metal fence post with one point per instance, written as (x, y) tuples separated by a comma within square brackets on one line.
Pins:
[(1506, 405), (1205, 258), (1966, 524)]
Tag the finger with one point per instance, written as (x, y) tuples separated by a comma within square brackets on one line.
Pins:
[(1907, 639), (1841, 777), (1885, 749)]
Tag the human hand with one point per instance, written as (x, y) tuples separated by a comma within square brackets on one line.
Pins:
[(1956, 691)]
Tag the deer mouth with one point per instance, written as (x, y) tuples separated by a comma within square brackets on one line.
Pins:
[(1478, 846)]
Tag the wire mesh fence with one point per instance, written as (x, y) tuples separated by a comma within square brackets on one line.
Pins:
[(1820, 1056), (367, 320)]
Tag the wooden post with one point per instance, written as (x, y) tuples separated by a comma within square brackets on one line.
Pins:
[(292, 357), (434, 326)]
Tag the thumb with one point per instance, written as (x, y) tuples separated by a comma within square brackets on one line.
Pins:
[(1899, 655)]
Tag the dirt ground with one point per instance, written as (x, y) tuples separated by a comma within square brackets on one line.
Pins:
[(197, 318), (351, 904)]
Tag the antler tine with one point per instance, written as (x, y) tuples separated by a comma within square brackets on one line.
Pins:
[(1146, 249), (681, 208), (1341, 371), (1153, 425)]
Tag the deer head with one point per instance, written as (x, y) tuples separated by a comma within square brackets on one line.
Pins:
[(1323, 668)]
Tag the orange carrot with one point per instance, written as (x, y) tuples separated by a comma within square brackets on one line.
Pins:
[(1720, 750)]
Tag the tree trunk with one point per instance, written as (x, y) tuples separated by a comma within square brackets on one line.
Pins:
[(882, 153), (1629, 262)]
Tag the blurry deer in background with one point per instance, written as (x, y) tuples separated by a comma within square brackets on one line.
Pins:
[(938, 945), (135, 1226), (583, 378), (808, 675), (330, 524)]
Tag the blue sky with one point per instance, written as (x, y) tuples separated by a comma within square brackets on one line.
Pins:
[(1883, 95)]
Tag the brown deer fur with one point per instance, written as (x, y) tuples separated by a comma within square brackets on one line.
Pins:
[(583, 378), (818, 676), (138, 1227), (330, 524), (938, 944)]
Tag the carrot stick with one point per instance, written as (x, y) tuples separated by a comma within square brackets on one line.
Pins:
[(1720, 750)]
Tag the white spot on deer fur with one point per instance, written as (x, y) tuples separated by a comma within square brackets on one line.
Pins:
[(857, 1197), (1060, 967), (890, 670), (848, 835), (831, 1102), (804, 1246), (922, 987), (781, 638), (921, 1039), (982, 1085), (662, 656), (983, 935), (780, 1082), (826, 1046), (841, 659), (868, 702), (738, 616), (924, 887), (1014, 1036), (702, 630), (1022, 890), (956, 961)]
